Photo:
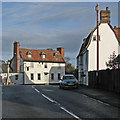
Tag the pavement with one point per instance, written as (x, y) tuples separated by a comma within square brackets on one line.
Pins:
[(107, 97)]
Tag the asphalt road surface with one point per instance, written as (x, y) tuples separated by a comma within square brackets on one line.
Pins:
[(36, 101)]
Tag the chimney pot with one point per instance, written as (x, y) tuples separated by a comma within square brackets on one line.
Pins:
[(106, 8)]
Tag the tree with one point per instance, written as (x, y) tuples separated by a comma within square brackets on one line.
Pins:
[(111, 64), (69, 68)]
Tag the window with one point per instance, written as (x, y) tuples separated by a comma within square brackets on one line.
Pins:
[(45, 66), (52, 76), (58, 76), (29, 56), (95, 37), (56, 56), (27, 68), (16, 77), (43, 56), (32, 65), (32, 76), (39, 76)]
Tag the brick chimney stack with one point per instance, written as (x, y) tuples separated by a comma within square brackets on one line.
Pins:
[(105, 16), (16, 57), (61, 50)]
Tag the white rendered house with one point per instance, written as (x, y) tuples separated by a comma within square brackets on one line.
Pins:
[(38, 66), (108, 43)]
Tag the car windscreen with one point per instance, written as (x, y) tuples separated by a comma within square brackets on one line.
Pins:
[(68, 77)]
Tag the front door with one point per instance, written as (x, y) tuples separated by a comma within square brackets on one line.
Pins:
[(46, 77)]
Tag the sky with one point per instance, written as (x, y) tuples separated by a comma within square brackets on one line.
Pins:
[(42, 25)]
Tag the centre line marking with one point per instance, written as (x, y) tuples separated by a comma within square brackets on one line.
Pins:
[(48, 98), (70, 113), (53, 101), (37, 90)]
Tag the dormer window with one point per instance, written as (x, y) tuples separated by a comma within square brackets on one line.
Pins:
[(43, 55), (29, 54), (56, 56)]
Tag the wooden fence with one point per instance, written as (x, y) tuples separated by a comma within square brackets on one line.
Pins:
[(105, 79)]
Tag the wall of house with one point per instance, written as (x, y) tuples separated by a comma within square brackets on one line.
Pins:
[(107, 45), (16, 78), (45, 73), (83, 69), (119, 49)]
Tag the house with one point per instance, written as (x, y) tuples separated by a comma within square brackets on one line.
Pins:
[(108, 43), (38, 66), (12, 76)]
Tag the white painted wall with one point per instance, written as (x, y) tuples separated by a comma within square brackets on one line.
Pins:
[(108, 43), (38, 67), (12, 77), (119, 49), (83, 69)]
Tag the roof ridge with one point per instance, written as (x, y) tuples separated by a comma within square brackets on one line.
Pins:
[(38, 49)]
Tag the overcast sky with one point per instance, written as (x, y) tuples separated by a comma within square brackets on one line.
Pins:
[(41, 25)]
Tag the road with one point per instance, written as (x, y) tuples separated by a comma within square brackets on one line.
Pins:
[(35, 101)]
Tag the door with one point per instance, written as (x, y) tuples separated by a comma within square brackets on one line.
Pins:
[(46, 77)]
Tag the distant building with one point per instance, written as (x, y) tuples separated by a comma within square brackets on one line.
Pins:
[(38, 66), (109, 39)]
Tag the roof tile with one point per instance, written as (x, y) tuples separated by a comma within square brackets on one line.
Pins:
[(36, 55)]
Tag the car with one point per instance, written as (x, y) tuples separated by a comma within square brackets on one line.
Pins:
[(68, 81)]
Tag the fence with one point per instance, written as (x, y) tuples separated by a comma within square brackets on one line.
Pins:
[(106, 79)]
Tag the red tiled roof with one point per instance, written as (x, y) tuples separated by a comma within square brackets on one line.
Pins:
[(36, 55), (117, 31)]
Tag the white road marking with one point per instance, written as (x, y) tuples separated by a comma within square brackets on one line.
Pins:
[(55, 86), (48, 98), (96, 100), (37, 90), (103, 102), (70, 113), (48, 90), (53, 101)]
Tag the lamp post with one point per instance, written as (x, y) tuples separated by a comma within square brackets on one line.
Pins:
[(8, 79)]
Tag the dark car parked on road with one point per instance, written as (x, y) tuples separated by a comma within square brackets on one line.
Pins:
[(68, 81)]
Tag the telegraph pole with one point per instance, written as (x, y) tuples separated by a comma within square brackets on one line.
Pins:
[(97, 9)]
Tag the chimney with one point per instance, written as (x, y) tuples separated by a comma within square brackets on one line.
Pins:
[(61, 50), (106, 8), (16, 56), (115, 27), (105, 16)]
